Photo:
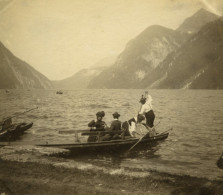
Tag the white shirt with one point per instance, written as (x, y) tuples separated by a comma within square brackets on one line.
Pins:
[(132, 126), (137, 130), (147, 106)]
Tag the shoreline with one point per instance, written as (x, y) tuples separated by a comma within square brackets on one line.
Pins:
[(35, 178), (36, 170)]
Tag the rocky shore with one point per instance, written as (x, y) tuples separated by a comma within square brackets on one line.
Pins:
[(36, 170)]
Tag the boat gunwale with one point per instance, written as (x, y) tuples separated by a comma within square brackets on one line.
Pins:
[(106, 143)]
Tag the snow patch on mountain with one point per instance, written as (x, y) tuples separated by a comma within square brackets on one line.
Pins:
[(193, 78), (140, 74), (157, 82)]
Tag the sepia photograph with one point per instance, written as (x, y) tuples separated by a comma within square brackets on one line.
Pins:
[(112, 97)]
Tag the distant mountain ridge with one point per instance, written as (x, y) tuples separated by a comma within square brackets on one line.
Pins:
[(82, 78), (194, 23), (17, 74), (198, 64), (147, 60), (140, 57)]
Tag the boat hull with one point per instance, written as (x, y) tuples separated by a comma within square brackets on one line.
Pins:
[(108, 146), (14, 132)]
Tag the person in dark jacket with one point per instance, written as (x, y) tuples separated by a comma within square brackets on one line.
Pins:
[(115, 126), (98, 125)]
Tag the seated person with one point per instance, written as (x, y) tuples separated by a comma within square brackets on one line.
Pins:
[(139, 129), (115, 126), (98, 125), (6, 124), (128, 124)]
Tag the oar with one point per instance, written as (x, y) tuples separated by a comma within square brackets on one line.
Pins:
[(135, 144), (142, 138), (157, 124), (166, 131), (21, 113)]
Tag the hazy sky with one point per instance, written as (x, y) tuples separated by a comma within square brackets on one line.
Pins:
[(59, 37)]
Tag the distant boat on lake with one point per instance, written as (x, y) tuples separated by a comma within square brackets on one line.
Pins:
[(59, 92)]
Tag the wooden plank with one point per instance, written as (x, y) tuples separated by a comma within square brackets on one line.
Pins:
[(73, 131), (101, 132)]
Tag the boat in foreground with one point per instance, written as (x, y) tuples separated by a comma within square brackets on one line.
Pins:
[(14, 132), (113, 145)]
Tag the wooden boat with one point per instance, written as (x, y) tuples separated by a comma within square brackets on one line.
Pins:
[(108, 146), (59, 92), (14, 131)]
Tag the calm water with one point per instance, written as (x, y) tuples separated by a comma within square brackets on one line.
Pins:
[(192, 148)]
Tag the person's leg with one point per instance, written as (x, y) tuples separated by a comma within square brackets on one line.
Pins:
[(92, 138), (116, 136), (105, 137), (150, 117)]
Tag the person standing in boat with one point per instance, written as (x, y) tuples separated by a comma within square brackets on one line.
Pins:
[(146, 109), (98, 125)]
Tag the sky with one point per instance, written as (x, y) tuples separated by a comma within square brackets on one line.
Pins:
[(60, 37)]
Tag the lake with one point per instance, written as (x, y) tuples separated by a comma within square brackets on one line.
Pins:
[(192, 148)]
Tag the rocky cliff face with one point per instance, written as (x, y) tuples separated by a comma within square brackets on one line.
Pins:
[(16, 73), (165, 58), (139, 58), (140, 64), (198, 64)]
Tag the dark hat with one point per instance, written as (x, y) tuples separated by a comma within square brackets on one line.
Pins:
[(142, 100), (116, 115), (140, 117), (101, 114)]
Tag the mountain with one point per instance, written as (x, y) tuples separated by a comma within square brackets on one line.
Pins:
[(194, 23), (140, 57), (198, 64), (16, 73), (82, 78)]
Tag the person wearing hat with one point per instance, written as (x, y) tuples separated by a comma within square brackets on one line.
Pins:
[(115, 126), (98, 125)]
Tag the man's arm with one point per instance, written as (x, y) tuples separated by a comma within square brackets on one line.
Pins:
[(142, 110)]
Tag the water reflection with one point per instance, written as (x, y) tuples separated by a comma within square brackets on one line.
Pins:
[(115, 158)]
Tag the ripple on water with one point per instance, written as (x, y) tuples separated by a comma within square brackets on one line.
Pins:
[(192, 148)]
